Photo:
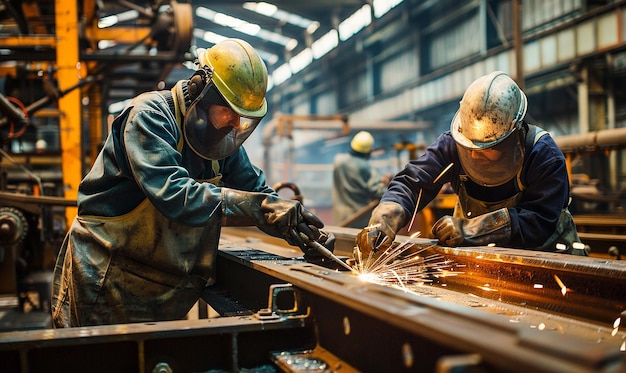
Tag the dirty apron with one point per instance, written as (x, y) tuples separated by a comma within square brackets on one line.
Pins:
[(468, 207), (134, 268)]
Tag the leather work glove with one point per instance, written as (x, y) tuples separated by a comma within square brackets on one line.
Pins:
[(492, 227), (387, 219), (327, 240), (273, 215)]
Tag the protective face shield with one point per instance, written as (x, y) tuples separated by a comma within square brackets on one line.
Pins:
[(232, 101), (486, 129), (494, 165), (212, 129)]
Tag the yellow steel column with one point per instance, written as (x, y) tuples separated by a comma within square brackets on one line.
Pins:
[(66, 21)]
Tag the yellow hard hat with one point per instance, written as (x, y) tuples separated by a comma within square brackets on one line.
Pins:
[(362, 142), (239, 74)]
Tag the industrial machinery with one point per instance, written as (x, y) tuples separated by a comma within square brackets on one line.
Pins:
[(504, 310), (63, 64)]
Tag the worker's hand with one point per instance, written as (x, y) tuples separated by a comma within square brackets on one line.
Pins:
[(449, 230), (275, 216), (327, 240), (493, 227), (290, 218), (387, 219)]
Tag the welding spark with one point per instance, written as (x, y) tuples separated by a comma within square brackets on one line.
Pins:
[(419, 197), (561, 285), (399, 266)]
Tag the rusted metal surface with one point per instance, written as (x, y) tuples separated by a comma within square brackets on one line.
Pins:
[(374, 328), (507, 308), (227, 344), (505, 311)]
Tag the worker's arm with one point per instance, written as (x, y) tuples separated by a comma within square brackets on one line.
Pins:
[(424, 177), (547, 192)]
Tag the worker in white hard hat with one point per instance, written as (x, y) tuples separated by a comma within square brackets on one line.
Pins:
[(171, 173), (510, 178), (355, 182)]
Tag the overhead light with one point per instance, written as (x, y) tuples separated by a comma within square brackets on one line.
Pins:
[(213, 38), (261, 7), (355, 23), (381, 7), (301, 60), (271, 10), (228, 21), (114, 19), (208, 36), (325, 44), (104, 44), (246, 27), (312, 27), (282, 73)]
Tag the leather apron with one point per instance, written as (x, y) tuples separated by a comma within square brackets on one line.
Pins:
[(137, 267), (468, 207)]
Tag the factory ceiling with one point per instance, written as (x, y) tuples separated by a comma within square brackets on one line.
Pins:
[(298, 22), (136, 61)]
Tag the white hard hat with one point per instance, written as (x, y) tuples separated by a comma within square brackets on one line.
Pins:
[(492, 107), (486, 129)]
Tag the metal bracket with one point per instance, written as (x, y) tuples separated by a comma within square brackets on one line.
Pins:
[(286, 296)]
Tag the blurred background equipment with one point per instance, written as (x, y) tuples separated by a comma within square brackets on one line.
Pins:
[(63, 64)]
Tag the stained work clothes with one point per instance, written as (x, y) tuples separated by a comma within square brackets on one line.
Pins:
[(355, 184), (144, 243), (536, 201)]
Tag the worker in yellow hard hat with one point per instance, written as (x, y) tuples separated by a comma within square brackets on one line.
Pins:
[(171, 173), (509, 176), (355, 182)]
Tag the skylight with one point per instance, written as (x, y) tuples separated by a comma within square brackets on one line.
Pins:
[(271, 10), (246, 27)]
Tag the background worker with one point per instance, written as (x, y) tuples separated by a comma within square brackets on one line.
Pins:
[(171, 173), (355, 182), (509, 176)]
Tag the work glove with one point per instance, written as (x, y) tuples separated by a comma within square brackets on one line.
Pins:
[(492, 227), (386, 220), (278, 217), (327, 240)]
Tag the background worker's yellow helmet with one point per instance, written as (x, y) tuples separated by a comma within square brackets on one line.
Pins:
[(231, 74), (362, 142)]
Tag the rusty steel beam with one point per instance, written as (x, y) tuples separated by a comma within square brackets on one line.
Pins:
[(505, 308), (483, 319)]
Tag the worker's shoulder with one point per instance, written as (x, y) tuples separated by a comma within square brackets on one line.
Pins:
[(149, 101), (343, 158)]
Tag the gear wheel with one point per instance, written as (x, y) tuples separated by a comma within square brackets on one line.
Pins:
[(13, 226)]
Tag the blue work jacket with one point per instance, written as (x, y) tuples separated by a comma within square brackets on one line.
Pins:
[(145, 157), (543, 176)]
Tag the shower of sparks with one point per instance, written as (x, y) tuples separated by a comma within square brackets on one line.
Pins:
[(419, 197), (397, 267), (561, 285)]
